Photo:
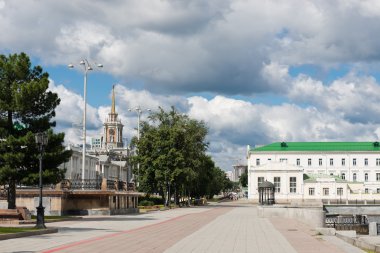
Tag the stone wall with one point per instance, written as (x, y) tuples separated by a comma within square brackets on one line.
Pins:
[(57, 202), (353, 209)]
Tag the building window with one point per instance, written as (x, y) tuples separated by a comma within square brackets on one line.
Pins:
[(260, 180), (309, 161), (298, 162), (366, 190), (343, 162), (311, 191), (331, 174), (339, 191), (257, 162), (354, 177), (354, 162), (269, 159), (343, 176), (377, 161), (366, 161), (293, 184), (377, 176), (326, 191), (283, 160), (277, 184), (320, 161), (378, 190), (366, 177), (331, 162)]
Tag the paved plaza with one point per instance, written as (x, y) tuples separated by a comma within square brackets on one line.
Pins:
[(226, 227)]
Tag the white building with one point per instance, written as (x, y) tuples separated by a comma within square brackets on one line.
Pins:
[(316, 170), (95, 167), (107, 156), (239, 169), (229, 175), (96, 143)]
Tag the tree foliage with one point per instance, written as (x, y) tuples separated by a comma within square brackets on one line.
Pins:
[(172, 157), (243, 179), (27, 107)]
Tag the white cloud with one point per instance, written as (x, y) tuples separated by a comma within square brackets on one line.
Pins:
[(184, 49), (235, 123), (69, 114), (352, 97), (192, 46)]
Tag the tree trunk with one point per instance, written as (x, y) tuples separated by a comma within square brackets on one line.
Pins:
[(175, 195), (12, 194), (169, 195)]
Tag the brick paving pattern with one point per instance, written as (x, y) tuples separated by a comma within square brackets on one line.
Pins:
[(305, 239), (227, 227), (152, 238), (238, 231)]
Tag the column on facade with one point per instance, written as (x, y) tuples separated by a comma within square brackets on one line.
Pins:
[(71, 167), (116, 135)]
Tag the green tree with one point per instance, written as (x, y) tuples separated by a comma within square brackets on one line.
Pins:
[(172, 156), (27, 107), (243, 179)]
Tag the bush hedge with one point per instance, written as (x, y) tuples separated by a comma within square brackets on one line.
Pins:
[(155, 200), (146, 203)]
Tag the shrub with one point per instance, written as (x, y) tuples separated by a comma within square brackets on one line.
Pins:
[(155, 200), (146, 203)]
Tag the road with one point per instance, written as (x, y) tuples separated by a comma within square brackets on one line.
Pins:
[(226, 227)]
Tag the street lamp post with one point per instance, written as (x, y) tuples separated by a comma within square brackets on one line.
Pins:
[(86, 67), (139, 111), (41, 141)]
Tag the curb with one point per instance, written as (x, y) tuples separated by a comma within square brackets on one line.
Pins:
[(28, 233), (359, 243), (33, 221)]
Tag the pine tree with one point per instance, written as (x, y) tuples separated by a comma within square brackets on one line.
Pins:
[(26, 108)]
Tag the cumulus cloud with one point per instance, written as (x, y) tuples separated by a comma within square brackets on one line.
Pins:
[(177, 51), (69, 114), (195, 46), (352, 97), (235, 123)]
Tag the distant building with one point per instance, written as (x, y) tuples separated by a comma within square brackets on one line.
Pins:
[(100, 166), (107, 156), (106, 187), (96, 143), (316, 170), (230, 175), (239, 169)]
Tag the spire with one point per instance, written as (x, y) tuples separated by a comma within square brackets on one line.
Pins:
[(113, 111)]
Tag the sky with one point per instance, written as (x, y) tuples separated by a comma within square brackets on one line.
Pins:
[(254, 71)]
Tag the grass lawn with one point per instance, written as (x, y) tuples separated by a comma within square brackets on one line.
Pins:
[(5, 230)]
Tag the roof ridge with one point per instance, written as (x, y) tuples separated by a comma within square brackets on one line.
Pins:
[(320, 146)]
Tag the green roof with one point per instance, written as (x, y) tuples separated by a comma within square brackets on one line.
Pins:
[(319, 146)]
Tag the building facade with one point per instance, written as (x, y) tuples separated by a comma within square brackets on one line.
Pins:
[(96, 143), (316, 170), (239, 169), (96, 166), (230, 175)]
